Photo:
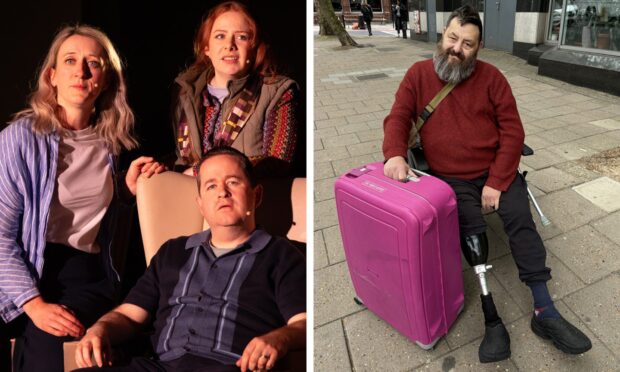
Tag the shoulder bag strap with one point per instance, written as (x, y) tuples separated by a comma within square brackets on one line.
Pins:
[(428, 110)]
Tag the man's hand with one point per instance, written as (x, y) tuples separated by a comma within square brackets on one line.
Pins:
[(116, 326), (397, 168), (57, 320), (262, 352), (490, 198), (143, 165), (95, 344)]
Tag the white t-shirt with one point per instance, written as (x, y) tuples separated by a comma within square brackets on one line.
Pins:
[(83, 191)]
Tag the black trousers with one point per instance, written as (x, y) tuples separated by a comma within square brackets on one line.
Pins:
[(368, 21), (525, 243), (72, 278), (186, 363)]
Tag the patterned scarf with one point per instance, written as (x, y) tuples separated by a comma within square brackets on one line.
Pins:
[(216, 133), (243, 108)]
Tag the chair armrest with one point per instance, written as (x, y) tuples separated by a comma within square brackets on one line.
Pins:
[(69, 355), (297, 231)]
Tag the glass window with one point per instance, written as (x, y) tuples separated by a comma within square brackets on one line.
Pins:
[(591, 24), (375, 5), (356, 5), (417, 19), (556, 19)]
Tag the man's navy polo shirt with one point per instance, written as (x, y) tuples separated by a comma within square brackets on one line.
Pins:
[(213, 306)]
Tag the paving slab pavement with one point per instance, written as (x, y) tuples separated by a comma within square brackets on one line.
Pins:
[(565, 124)]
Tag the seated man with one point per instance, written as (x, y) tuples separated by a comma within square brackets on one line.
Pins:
[(473, 141), (226, 298)]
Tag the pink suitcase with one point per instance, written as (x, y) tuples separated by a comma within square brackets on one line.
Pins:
[(401, 242)]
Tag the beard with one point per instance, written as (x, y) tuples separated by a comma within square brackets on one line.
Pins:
[(453, 72)]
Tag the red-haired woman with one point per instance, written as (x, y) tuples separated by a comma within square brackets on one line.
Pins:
[(232, 96)]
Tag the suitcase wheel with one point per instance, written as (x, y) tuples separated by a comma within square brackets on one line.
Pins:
[(428, 346), (358, 301)]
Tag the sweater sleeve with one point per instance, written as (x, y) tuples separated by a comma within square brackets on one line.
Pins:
[(511, 135), (397, 125), (16, 282), (280, 132)]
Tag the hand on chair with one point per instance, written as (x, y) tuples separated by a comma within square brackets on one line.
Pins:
[(143, 165)]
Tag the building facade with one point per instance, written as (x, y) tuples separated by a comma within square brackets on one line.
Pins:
[(350, 10), (577, 41)]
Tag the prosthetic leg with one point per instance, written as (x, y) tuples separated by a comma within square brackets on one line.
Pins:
[(495, 345)]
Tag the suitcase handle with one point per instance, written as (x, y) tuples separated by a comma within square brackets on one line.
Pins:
[(354, 173), (418, 172)]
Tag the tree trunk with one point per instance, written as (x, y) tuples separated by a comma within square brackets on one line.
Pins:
[(330, 24)]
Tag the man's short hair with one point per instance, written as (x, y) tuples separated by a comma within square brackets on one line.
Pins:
[(466, 14), (244, 162)]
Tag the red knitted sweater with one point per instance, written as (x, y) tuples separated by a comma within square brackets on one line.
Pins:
[(475, 130)]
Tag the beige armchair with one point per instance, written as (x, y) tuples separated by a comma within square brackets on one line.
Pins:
[(167, 209)]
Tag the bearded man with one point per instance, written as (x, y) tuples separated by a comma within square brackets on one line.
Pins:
[(473, 141)]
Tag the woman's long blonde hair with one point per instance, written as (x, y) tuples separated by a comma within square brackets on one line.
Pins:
[(113, 117)]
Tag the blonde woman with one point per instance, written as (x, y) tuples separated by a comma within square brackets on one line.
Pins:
[(59, 196)]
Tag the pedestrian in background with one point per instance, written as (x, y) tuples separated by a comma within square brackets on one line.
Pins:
[(393, 13), (397, 14), (402, 17), (367, 14)]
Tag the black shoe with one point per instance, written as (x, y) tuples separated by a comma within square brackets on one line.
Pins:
[(495, 345), (564, 335)]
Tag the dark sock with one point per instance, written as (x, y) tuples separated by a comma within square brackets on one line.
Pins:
[(543, 304), (490, 312)]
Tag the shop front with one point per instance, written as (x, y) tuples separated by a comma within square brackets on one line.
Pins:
[(582, 44), (586, 24), (577, 41)]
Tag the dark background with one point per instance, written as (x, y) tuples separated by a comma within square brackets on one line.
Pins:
[(155, 40)]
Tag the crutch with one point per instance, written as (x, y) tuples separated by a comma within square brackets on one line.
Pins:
[(527, 151)]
